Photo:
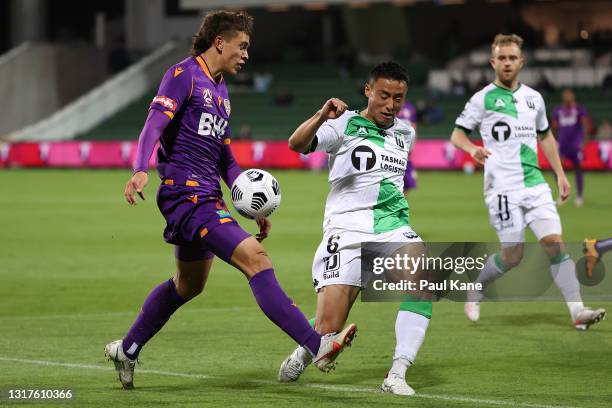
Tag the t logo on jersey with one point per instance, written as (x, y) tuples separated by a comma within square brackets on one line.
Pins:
[(363, 158), (500, 131)]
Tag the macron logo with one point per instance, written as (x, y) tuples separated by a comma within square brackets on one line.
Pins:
[(500, 103), (362, 131)]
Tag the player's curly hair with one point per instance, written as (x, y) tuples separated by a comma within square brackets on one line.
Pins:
[(389, 70), (220, 22), (506, 39)]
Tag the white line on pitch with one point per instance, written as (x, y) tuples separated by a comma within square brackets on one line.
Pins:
[(329, 387), (98, 367)]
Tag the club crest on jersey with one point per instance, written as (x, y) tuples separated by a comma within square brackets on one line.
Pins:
[(399, 139), (530, 103), (227, 106), (208, 98)]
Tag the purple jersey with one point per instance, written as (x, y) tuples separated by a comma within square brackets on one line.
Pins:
[(408, 113), (192, 145), (570, 130)]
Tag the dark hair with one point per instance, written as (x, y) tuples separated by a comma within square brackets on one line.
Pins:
[(389, 70), (220, 22)]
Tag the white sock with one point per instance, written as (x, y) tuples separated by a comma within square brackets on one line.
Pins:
[(564, 275), (488, 274), (410, 331)]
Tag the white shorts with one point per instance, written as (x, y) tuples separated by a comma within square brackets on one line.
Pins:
[(510, 212), (338, 257)]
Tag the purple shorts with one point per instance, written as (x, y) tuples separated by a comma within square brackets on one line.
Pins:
[(200, 226), (573, 154), (409, 177)]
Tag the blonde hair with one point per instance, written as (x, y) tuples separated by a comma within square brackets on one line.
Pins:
[(506, 39)]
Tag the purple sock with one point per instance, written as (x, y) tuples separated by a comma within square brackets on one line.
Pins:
[(603, 245), (282, 311), (579, 181), (155, 312)]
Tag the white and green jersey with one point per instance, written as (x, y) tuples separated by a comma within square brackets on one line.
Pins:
[(366, 172), (509, 123)]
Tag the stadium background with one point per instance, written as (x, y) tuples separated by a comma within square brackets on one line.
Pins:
[(76, 80)]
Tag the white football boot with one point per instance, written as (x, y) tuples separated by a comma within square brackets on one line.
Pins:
[(124, 366), (588, 317), (294, 365), (332, 345), (394, 384), (472, 305), (472, 310)]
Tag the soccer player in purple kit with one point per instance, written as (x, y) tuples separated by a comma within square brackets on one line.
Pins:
[(571, 125), (408, 114), (190, 116)]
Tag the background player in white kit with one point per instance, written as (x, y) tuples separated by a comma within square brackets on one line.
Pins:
[(368, 152), (511, 118)]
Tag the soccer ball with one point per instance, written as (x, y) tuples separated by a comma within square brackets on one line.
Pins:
[(256, 194)]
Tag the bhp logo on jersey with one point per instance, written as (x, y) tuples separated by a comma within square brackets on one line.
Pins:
[(500, 131), (363, 158), (212, 125)]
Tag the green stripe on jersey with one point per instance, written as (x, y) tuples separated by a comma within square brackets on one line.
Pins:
[(532, 175), (358, 126), (502, 101), (391, 210)]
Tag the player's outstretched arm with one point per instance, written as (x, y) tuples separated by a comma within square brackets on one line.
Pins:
[(460, 140), (151, 132), (302, 137), (549, 147)]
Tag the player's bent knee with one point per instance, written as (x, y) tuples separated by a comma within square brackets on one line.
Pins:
[(552, 244), (188, 289), (251, 257), (512, 258), (195, 290), (259, 262)]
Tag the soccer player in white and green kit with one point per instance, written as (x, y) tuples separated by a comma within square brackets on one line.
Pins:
[(367, 158), (511, 118)]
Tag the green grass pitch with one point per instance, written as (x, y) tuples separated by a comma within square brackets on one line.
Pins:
[(76, 263)]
